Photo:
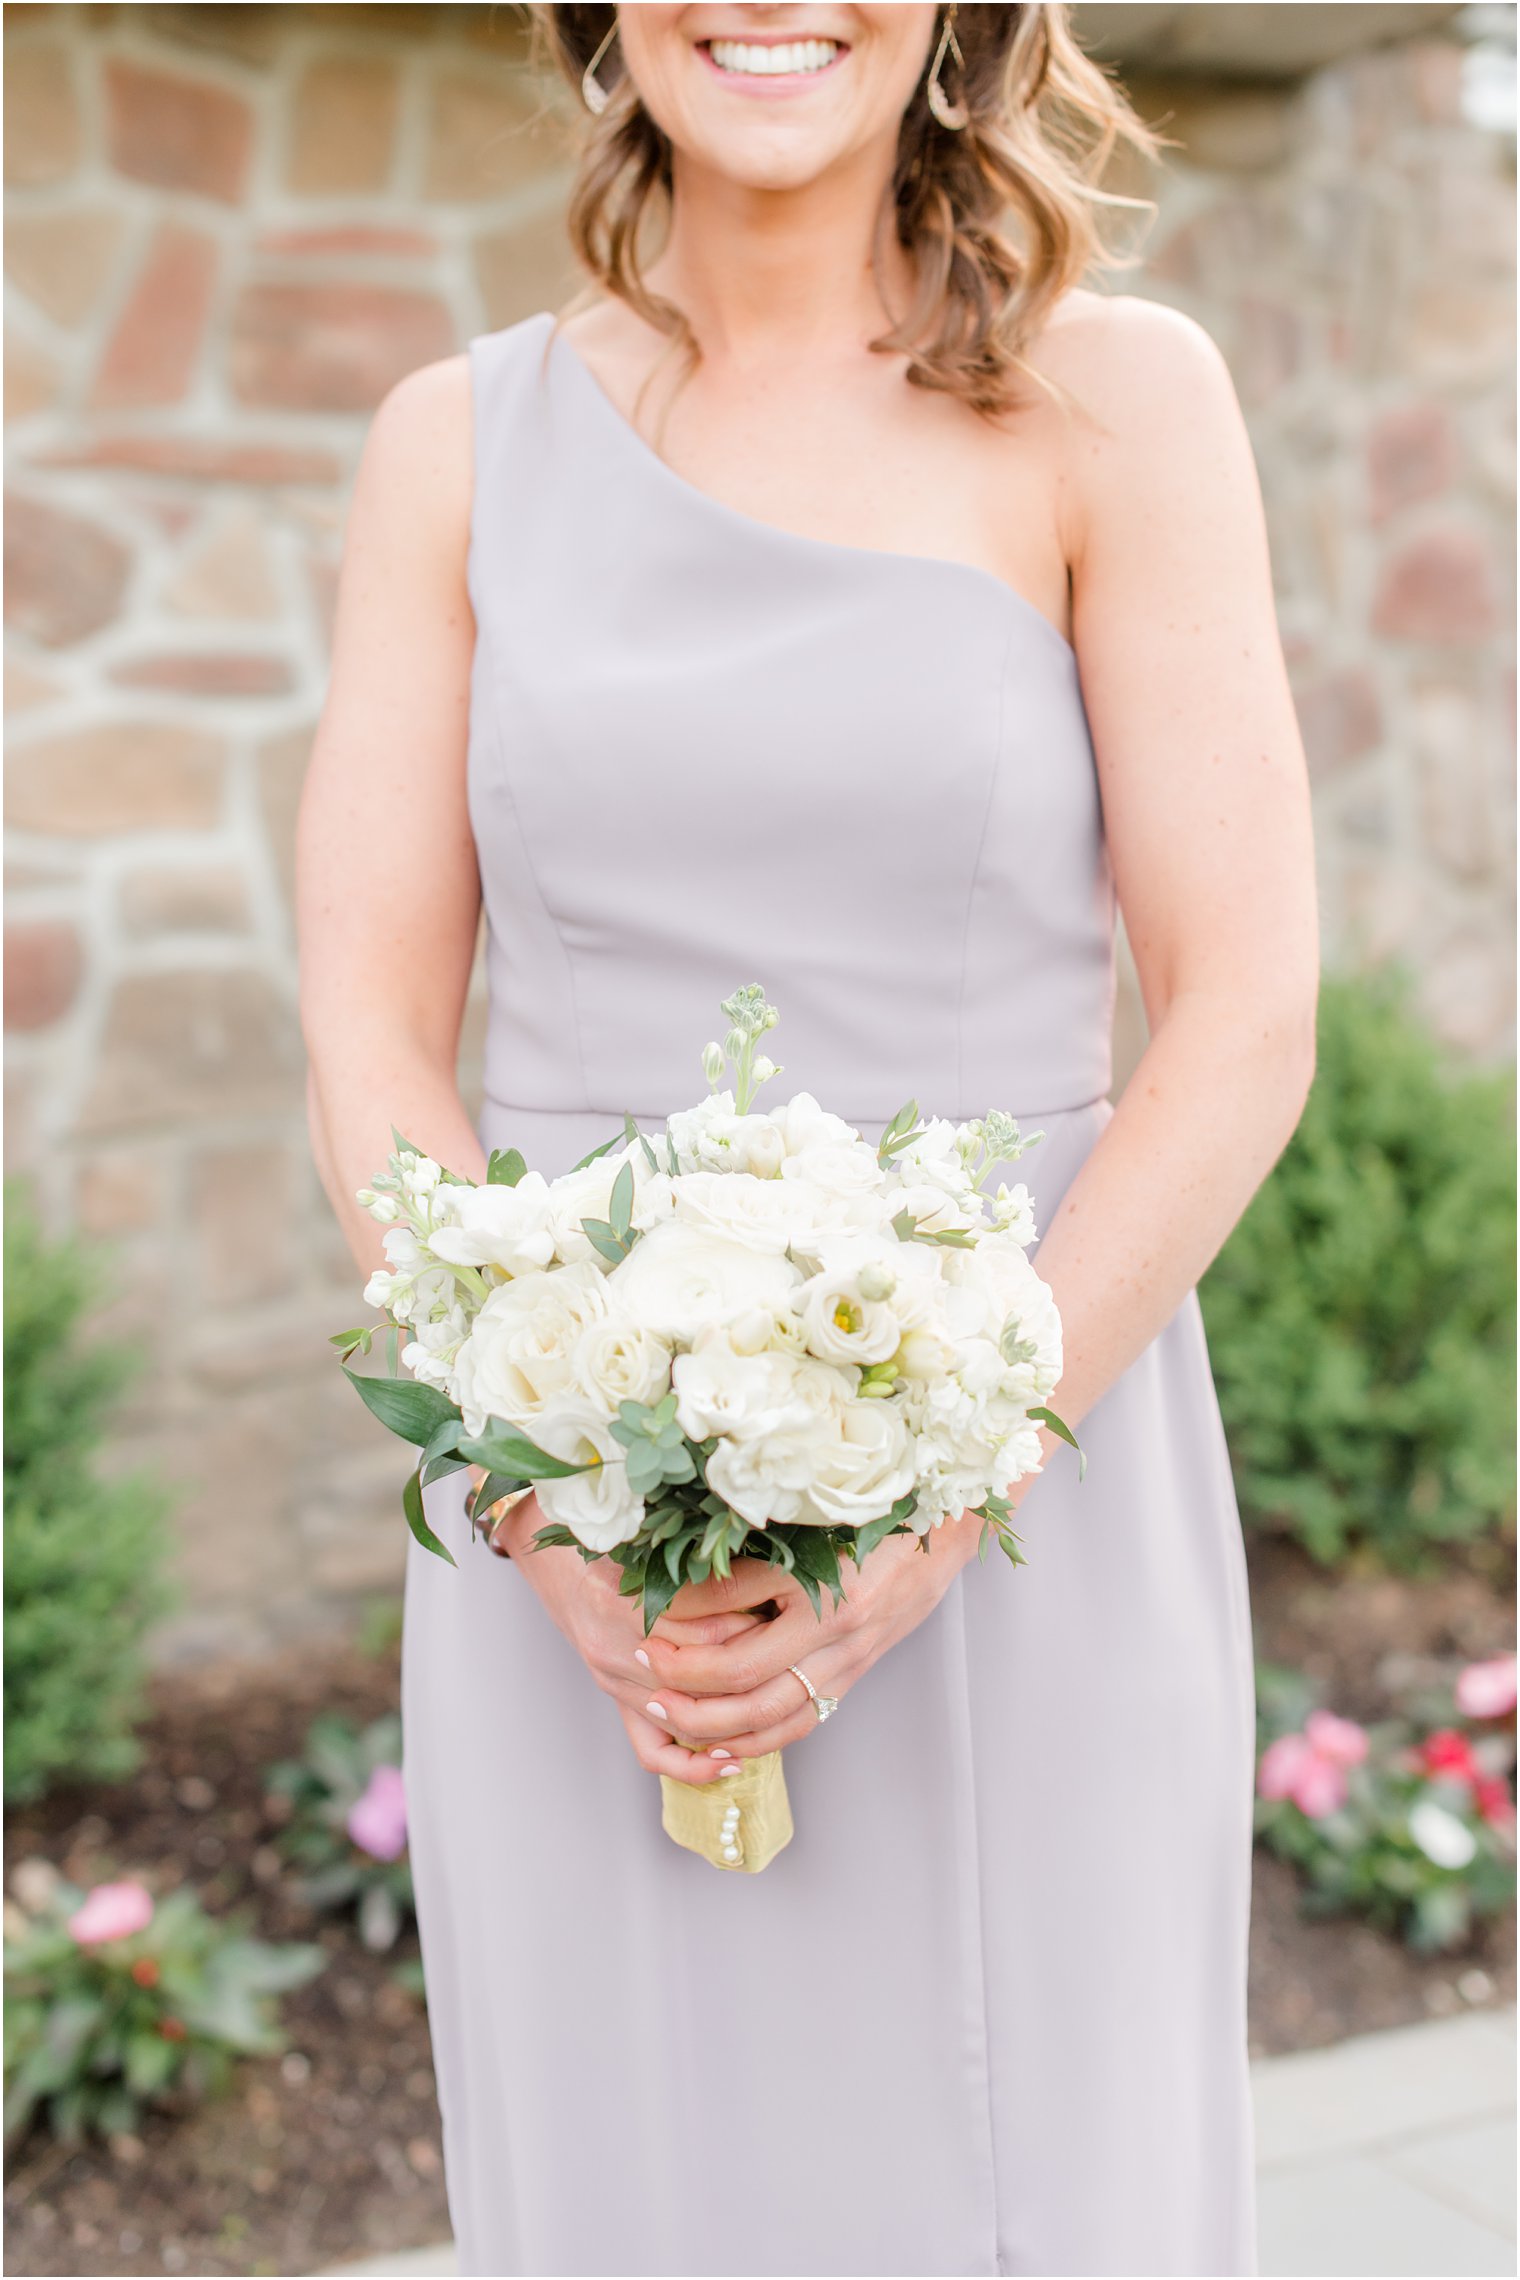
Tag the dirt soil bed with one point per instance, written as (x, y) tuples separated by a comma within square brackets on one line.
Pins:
[(332, 2152)]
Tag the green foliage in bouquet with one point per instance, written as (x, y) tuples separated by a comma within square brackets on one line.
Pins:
[(1361, 1317), (114, 2004), (346, 1833), (1411, 1827), (84, 1558)]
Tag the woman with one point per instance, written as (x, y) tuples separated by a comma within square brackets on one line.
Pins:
[(849, 599)]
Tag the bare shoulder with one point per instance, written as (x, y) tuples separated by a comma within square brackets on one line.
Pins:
[(1152, 409), (419, 451)]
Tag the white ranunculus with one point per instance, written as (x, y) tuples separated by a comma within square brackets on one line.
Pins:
[(765, 1476), (598, 1507), (843, 1327), (616, 1359), (678, 1280), (721, 1391), (863, 1473), (518, 1356), (765, 1214), (1441, 1837), (495, 1226)]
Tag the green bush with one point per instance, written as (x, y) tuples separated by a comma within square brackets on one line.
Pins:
[(1361, 1317), (83, 1557)]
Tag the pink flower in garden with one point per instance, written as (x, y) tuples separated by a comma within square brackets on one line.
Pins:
[(1341, 1740), (1310, 1768), (112, 1912), (377, 1823), (1487, 1689)]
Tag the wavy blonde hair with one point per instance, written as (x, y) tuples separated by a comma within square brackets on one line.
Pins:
[(998, 218)]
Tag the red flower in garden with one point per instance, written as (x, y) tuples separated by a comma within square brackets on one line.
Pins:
[(145, 1971), (1450, 1753), (1494, 1800)]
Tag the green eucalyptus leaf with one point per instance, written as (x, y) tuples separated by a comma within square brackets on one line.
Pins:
[(1063, 1432), (500, 1449), (592, 1154), (411, 1409), (505, 1167), (416, 1519)]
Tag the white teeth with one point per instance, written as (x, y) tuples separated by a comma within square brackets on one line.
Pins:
[(771, 62)]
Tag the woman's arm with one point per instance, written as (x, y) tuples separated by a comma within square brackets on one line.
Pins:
[(387, 888), (1206, 810)]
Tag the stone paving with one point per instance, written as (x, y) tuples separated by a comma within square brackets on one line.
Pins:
[(1387, 2155)]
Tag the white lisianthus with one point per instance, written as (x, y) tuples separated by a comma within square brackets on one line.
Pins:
[(678, 1280), (519, 1355), (495, 1226), (936, 1210), (598, 1507), (841, 1325), (616, 1359), (863, 1473)]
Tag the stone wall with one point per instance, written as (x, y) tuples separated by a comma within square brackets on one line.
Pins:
[(228, 230)]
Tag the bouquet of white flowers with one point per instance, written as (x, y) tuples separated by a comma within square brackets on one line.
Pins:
[(758, 1334)]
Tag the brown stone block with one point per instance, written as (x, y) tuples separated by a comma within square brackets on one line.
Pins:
[(250, 34), (335, 348), (207, 673), (1339, 719), (202, 459), (165, 898), (228, 575), (1411, 454), (135, 776), (242, 1204), (33, 379), (282, 772), (178, 133), (525, 270), (1229, 127), (350, 241), (151, 356), (43, 136), (343, 126), (44, 960), (1440, 587), (120, 1191), (64, 577), (182, 1046), (63, 261), (485, 137)]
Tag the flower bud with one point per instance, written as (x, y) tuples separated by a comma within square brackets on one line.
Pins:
[(734, 1043), (876, 1280), (764, 1070), (384, 1209), (713, 1064)]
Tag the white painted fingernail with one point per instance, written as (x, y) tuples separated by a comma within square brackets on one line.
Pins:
[(729, 1769), (657, 1710), (640, 1656), (720, 1753)]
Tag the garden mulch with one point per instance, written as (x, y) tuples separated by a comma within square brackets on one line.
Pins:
[(332, 2151)]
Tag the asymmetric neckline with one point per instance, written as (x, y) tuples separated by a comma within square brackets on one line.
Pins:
[(757, 525)]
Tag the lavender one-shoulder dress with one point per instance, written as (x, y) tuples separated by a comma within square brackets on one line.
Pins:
[(987, 2013)]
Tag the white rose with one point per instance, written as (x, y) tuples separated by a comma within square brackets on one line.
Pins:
[(598, 1507), (495, 1226), (678, 1280), (843, 1327), (587, 1194), (617, 1359), (867, 1469), (766, 1214), (518, 1356)]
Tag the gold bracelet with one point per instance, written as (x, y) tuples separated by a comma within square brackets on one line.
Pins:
[(503, 1507)]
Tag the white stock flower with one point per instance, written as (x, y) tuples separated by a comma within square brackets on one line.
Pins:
[(494, 1226), (863, 1473), (518, 1356), (678, 1280), (1013, 1213), (712, 1138), (598, 1507)]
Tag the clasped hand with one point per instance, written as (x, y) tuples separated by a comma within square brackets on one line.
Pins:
[(712, 1684)]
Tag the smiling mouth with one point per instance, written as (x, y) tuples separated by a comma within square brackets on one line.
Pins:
[(794, 60)]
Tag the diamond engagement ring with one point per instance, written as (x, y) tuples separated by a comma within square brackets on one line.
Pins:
[(824, 1704)]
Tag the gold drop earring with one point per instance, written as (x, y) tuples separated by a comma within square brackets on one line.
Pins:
[(951, 115), (593, 94)]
